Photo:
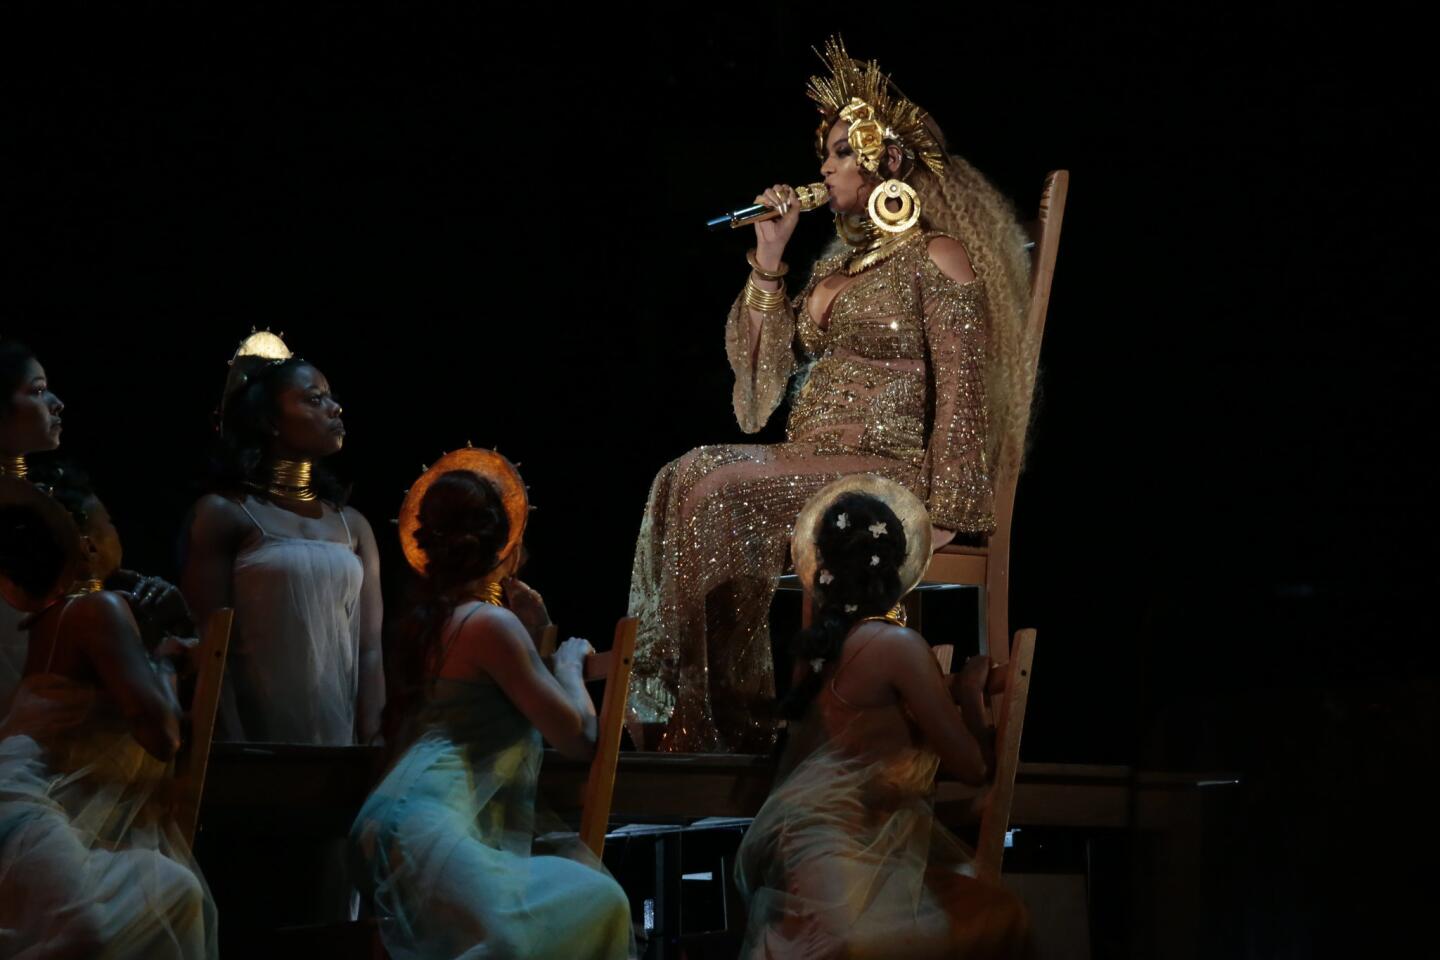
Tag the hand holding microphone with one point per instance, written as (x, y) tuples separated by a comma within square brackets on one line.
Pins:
[(768, 205)]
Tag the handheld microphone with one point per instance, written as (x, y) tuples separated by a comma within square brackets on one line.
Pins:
[(809, 197)]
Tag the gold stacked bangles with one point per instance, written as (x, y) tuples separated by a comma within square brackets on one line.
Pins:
[(766, 301), (758, 298), (761, 272)]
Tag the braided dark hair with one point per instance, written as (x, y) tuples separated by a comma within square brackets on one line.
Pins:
[(860, 547), (463, 528)]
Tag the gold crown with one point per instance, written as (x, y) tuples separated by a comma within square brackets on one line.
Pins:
[(263, 343), (256, 352), (860, 94)]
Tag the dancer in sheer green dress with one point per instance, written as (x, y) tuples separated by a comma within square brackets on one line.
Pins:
[(444, 842)]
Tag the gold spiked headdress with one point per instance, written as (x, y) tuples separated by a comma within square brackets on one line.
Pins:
[(256, 352), (488, 465), (861, 95)]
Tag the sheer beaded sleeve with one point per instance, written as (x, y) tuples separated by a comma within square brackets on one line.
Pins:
[(956, 327), (762, 373)]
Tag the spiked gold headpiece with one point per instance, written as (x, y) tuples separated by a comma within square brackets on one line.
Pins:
[(861, 95)]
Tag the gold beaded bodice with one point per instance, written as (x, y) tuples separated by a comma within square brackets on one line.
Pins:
[(897, 371)]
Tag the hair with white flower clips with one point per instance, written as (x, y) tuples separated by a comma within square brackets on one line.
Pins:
[(860, 547)]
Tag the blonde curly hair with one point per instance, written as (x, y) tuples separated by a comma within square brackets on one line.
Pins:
[(960, 202)]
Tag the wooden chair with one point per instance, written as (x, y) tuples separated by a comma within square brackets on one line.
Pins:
[(987, 566), (1009, 709), (194, 758), (992, 803), (547, 642), (612, 666)]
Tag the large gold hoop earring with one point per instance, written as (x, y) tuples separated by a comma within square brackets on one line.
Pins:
[(894, 221)]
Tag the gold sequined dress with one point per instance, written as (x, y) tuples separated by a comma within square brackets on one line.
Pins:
[(892, 382)]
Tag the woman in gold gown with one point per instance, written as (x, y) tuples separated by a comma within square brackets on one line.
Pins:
[(904, 345)]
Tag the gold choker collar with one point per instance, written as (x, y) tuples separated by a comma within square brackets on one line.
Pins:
[(896, 615), (492, 594), (14, 467), (879, 250), (290, 479)]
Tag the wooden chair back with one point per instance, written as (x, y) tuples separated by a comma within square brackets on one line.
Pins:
[(613, 666), (194, 758), (988, 565), (1009, 710)]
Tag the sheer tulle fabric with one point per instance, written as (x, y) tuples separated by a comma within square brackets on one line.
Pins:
[(293, 671), (90, 860), (845, 859), (443, 846)]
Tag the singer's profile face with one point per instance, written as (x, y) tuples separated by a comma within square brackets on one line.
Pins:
[(849, 189)]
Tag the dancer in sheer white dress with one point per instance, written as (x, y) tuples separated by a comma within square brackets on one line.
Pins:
[(277, 543), (91, 862), (845, 858)]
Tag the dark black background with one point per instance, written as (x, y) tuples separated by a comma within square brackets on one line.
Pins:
[(485, 225)]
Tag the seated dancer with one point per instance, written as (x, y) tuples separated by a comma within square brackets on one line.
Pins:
[(445, 840), (276, 541), (30, 423), (91, 861), (906, 345), (845, 859)]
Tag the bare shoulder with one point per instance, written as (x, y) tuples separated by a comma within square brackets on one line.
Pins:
[(886, 642), (895, 653), (102, 614), (949, 256), (490, 636), (363, 531), (217, 515)]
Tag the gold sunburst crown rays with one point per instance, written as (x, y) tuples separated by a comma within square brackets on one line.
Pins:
[(861, 94)]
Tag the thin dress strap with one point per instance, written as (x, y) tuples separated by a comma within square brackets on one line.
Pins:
[(349, 537), (258, 525), (836, 675), (55, 637), (445, 644)]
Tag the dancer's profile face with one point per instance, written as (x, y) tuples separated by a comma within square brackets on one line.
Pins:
[(33, 422), (103, 540), (307, 417)]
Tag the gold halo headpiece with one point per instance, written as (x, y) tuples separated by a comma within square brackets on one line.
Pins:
[(61, 528), (256, 352), (914, 518), (485, 463), (858, 93)]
